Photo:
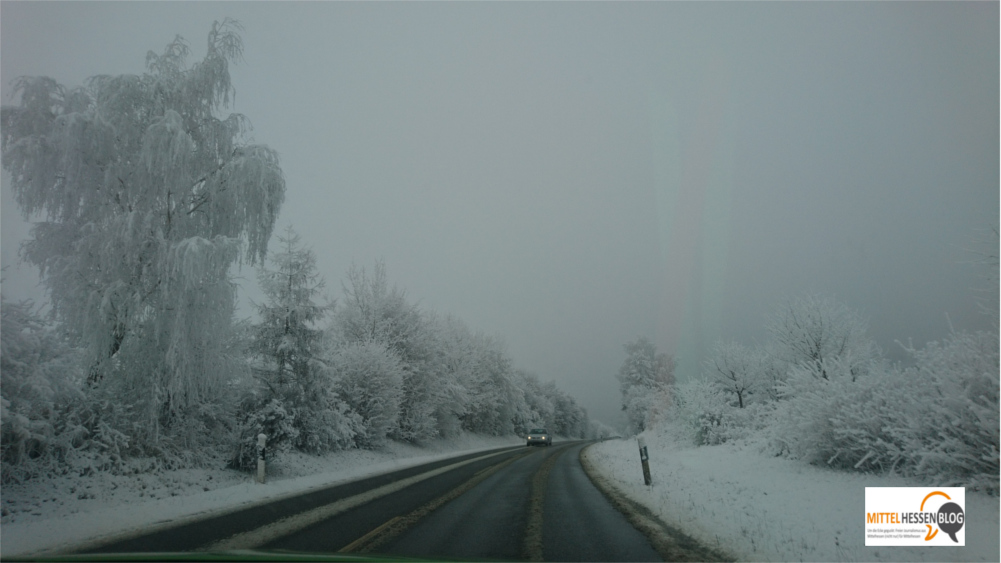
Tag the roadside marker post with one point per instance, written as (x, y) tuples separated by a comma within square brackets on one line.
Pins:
[(645, 460), (261, 439)]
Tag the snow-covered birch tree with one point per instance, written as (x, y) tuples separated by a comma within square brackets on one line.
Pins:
[(145, 195)]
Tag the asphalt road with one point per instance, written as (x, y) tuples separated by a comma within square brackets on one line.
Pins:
[(512, 503), (539, 507)]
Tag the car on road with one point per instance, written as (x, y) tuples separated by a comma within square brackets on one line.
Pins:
[(539, 437)]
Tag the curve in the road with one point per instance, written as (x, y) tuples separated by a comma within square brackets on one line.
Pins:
[(581, 525), (541, 507)]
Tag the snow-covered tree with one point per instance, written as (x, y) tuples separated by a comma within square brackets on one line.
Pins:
[(569, 418), (39, 378), (642, 378), (288, 338), (146, 196), (451, 378), (493, 397), (701, 411), (539, 409), (815, 329), (370, 381), (289, 345), (374, 312), (455, 362), (735, 369)]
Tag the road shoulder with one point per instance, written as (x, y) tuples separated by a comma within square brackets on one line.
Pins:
[(671, 543)]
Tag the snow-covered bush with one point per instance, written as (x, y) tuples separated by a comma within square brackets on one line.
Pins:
[(273, 420), (326, 423), (49, 426), (841, 420), (951, 433), (39, 382), (937, 421), (820, 391), (702, 412)]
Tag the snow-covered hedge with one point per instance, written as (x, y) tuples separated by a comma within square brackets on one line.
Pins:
[(951, 434), (825, 395)]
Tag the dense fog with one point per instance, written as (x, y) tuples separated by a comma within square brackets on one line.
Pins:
[(568, 178)]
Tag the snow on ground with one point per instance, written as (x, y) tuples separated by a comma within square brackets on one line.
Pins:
[(58, 513), (757, 507)]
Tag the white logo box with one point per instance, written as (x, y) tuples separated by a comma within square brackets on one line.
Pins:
[(915, 516)]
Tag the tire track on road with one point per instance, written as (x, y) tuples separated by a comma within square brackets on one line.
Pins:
[(532, 548)]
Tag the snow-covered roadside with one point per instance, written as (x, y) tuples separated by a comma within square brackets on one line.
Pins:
[(761, 508), (54, 514)]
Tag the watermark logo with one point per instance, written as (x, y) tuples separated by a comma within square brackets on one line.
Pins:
[(897, 516)]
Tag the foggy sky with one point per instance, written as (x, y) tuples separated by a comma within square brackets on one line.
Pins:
[(570, 176)]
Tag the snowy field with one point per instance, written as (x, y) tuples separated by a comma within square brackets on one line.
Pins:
[(762, 508), (55, 514)]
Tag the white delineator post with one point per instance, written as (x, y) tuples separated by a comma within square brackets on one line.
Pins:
[(644, 459), (261, 439)]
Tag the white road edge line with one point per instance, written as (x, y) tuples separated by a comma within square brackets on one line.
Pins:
[(285, 526)]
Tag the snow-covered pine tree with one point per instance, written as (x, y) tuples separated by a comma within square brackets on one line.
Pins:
[(287, 337), (288, 344), (147, 195)]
